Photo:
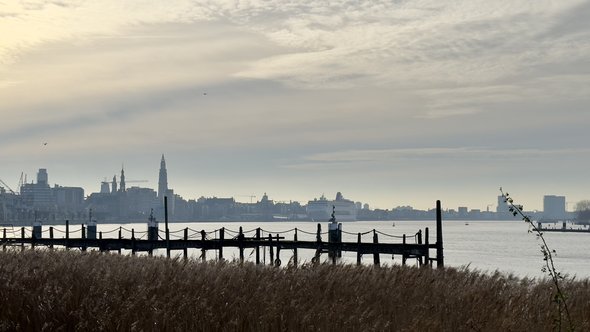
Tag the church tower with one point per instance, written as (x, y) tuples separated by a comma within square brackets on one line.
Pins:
[(122, 183), (163, 180)]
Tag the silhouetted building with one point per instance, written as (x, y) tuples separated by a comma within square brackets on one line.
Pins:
[(162, 180), (554, 207)]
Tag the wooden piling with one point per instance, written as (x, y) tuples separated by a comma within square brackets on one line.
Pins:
[(440, 260), (133, 242), (203, 250), (271, 250), (4, 239), (120, 237), (22, 236), (278, 259), (221, 238), (359, 255), (83, 231), (376, 258), (241, 244), (167, 230), (67, 235), (426, 243), (51, 236), (318, 252), (295, 258), (32, 238), (404, 250), (185, 249), (420, 258), (257, 246)]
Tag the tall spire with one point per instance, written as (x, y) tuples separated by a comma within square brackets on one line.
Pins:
[(122, 183), (163, 179)]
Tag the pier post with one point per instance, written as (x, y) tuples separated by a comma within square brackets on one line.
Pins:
[(185, 249), (22, 236), (203, 250), (440, 260), (318, 252), (376, 258), (83, 230), (278, 259), (404, 253), (241, 244), (221, 237), (133, 242), (120, 237), (51, 236), (4, 239), (257, 246), (67, 235), (271, 250), (420, 258), (295, 258), (359, 254), (167, 230), (427, 244)]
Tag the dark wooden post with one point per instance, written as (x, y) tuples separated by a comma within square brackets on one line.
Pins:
[(120, 243), (100, 235), (221, 237), (4, 239), (257, 246), (427, 244), (22, 236), (359, 254), (376, 258), (67, 234), (133, 242), (100, 246), (51, 236), (167, 230), (404, 252), (83, 230), (318, 252), (440, 260), (420, 258), (185, 249), (241, 244), (295, 258), (278, 259), (32, 238), (272, 253), (203, 250)]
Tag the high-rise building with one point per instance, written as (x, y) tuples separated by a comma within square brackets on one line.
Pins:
[(554, 207), (163, 180)]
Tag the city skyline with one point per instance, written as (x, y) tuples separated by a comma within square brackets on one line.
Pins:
[(391, 103), (118, 184)]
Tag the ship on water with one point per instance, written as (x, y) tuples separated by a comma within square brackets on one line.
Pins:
[(321, 209)]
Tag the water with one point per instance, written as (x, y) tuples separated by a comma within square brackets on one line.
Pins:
[(487, 246)]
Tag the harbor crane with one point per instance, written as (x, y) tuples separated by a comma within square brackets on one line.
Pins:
[(3, 184)]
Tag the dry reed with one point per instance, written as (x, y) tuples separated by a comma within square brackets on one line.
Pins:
[(68, 290)]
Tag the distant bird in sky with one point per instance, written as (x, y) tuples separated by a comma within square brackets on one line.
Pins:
[(44, 143), (204, 93)]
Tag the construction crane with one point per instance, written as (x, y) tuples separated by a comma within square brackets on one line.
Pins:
[(251, 197), (7, 187)]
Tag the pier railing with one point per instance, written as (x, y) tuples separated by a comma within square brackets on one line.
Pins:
[(414, 246)]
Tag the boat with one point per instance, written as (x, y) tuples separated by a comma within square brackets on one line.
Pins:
[(321, 209)]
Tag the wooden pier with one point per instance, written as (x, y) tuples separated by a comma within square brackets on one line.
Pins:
[(416, 246)]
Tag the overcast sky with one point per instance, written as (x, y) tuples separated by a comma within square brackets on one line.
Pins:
[(390, 102)]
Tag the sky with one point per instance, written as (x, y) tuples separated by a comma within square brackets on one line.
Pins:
[(390, 102)]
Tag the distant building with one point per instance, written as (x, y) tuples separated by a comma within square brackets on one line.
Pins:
[(162, 180), (554, 207)]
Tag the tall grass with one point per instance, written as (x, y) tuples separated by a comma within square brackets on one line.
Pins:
[(68, 290)]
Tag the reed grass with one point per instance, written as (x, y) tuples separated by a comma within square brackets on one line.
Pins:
[(69, 290)]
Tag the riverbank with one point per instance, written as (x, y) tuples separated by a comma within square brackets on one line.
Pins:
[(72, 290)]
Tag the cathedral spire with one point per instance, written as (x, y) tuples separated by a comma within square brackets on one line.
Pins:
[(122, 178), (163, 179)]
